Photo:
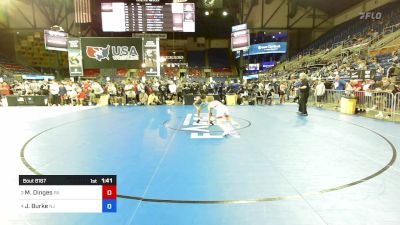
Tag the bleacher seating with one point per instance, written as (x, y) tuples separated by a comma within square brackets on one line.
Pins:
[(194, 72), (196, 59), (31, 49), (171, 71), (11, 67), (356, 27), (218, 58)]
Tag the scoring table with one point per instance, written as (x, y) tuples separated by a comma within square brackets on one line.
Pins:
[(68, 193)]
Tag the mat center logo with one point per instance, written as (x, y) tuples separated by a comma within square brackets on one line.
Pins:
[(117, 53), (202, 130), (199, 130)]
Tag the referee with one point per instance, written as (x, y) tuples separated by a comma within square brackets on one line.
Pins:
[(304, 88)]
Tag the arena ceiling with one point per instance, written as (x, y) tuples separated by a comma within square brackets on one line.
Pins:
[(331, 7)]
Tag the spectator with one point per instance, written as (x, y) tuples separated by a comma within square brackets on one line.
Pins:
[(282, 92), (4, 89), (153, 99), (320, 92), (143, 97), (63, 94), (112, 91), (172, 88), (339, 84), (304, 93), (54, 93)]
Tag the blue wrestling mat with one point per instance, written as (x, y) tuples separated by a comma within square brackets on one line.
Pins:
[(326, 168)]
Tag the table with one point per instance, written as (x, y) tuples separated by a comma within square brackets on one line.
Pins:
[(17, 100)]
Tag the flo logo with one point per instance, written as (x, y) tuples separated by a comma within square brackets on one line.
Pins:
[(117, 53), (370, 15), (202, 130), (98, 53)]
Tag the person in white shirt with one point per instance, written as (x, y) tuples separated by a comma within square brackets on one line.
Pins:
[(71, 92), (130, 93), (320, 92), (172, 88), (112, 91), (54, 91), (222, 116)]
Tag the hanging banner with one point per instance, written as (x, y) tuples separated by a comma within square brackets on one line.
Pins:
[(75, 57), (151, 56), (265, 48), (240, 40), (55, 40), (111, 52)]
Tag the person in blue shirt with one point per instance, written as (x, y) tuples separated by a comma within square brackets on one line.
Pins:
[(340, 85)]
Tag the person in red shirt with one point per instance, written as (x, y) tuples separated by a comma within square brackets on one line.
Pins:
[(5, 89), (357, 87)]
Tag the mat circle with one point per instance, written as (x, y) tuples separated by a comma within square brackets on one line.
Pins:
[(242, 201)]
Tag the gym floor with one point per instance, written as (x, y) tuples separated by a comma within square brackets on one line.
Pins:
[(327, 168)]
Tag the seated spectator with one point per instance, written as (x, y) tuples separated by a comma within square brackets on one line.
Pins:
[(153, 99), (170, 99), (143, 98)]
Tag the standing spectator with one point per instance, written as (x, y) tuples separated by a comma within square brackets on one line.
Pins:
[(304, 93), (44, 88), (71, 93), (259, 96), (63, 94), (35, 87), (54, 93), (27, 88), (163, 92), (155, 86), (320, 92), (179, 92), (172, 88), (296, 90), (282, 92), (5, 89), (80, 96), (130, 93), (386, 99), (340, 85), (98, 90)]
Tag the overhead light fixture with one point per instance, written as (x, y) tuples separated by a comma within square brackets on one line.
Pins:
[(224, 13)]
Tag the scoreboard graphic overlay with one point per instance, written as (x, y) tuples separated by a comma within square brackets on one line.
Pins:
[(68, 193)]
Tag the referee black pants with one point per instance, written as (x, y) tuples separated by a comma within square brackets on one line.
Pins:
[(303, 103)]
